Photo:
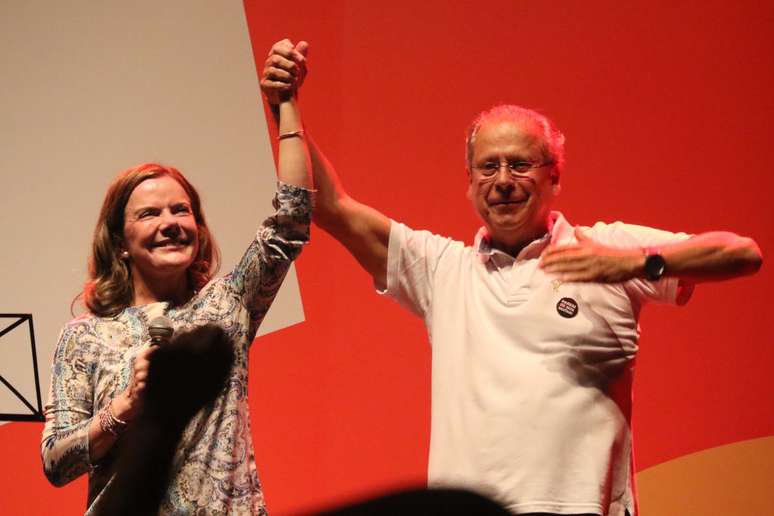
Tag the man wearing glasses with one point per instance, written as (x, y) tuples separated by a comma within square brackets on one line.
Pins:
[(533, 328)]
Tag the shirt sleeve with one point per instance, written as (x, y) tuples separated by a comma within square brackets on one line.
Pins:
[(412, 259), (618, 234), (279, 240), (69, 411)]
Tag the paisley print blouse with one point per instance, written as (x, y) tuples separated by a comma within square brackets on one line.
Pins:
[(214, 466)]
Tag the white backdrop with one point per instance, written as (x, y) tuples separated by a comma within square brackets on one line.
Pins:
[(91, 88)]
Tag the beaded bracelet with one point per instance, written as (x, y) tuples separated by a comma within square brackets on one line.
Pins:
[(109, 422)]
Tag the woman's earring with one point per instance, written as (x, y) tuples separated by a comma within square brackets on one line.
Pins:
[(124, 255)]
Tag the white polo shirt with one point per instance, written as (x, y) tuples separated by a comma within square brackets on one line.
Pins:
[(531, 377)]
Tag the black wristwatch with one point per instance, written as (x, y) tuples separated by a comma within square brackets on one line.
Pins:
[(655, 265)]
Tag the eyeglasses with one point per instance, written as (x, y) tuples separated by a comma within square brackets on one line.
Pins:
[(516, 168)]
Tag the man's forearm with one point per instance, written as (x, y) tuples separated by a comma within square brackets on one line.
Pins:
[(364, 231), (712, 256), (328, 213), (330, 192)]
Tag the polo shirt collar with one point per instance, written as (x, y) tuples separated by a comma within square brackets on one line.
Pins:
[(559, 232)]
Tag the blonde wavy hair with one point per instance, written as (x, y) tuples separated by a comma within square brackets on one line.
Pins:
[(109, 288)]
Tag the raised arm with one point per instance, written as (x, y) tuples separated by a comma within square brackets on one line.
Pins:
[(293, 166), (259, 274), (361, 229), (364, 231)]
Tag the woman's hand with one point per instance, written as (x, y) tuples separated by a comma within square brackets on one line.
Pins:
[(284, 70), (128, 404), (124, 407)]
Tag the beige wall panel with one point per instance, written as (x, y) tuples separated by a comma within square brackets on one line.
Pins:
[(91, 88), (734, 479)]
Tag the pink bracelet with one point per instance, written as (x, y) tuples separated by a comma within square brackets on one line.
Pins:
[(108, 422)]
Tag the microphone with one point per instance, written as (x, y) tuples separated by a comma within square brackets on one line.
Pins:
[(160, 330), (185, 375)]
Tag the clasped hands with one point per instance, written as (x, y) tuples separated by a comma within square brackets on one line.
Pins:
[(284, 70), (590, 261)]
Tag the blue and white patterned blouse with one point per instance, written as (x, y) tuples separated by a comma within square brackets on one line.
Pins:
[(214, 467)]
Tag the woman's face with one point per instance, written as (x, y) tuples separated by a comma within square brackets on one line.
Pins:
[(160, 232)]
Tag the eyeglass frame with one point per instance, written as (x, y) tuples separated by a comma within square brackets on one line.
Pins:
[(514, 172)]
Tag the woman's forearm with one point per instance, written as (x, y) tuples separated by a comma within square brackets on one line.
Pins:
[(293, 163), (100, 440)]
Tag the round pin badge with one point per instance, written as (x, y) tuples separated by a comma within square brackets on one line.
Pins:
[(567, 307)]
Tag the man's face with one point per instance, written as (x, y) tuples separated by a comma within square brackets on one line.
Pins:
[(514, 206)]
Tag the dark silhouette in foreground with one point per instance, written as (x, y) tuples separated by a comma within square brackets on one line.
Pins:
[(424, 502), (184, 376)]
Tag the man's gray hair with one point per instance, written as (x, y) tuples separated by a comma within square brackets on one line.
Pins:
[(552, 139)]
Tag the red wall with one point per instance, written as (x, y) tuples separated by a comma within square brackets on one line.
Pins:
[(667, 114)]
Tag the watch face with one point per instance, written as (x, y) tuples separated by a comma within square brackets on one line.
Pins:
[(654, 266)]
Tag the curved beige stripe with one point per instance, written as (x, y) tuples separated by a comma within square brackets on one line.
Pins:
[(735, 479)]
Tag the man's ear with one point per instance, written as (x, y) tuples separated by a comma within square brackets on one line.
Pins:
[(469, 192), (557, 188)]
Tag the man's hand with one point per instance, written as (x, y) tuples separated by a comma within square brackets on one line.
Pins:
[(284, 70), (588, 261)]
